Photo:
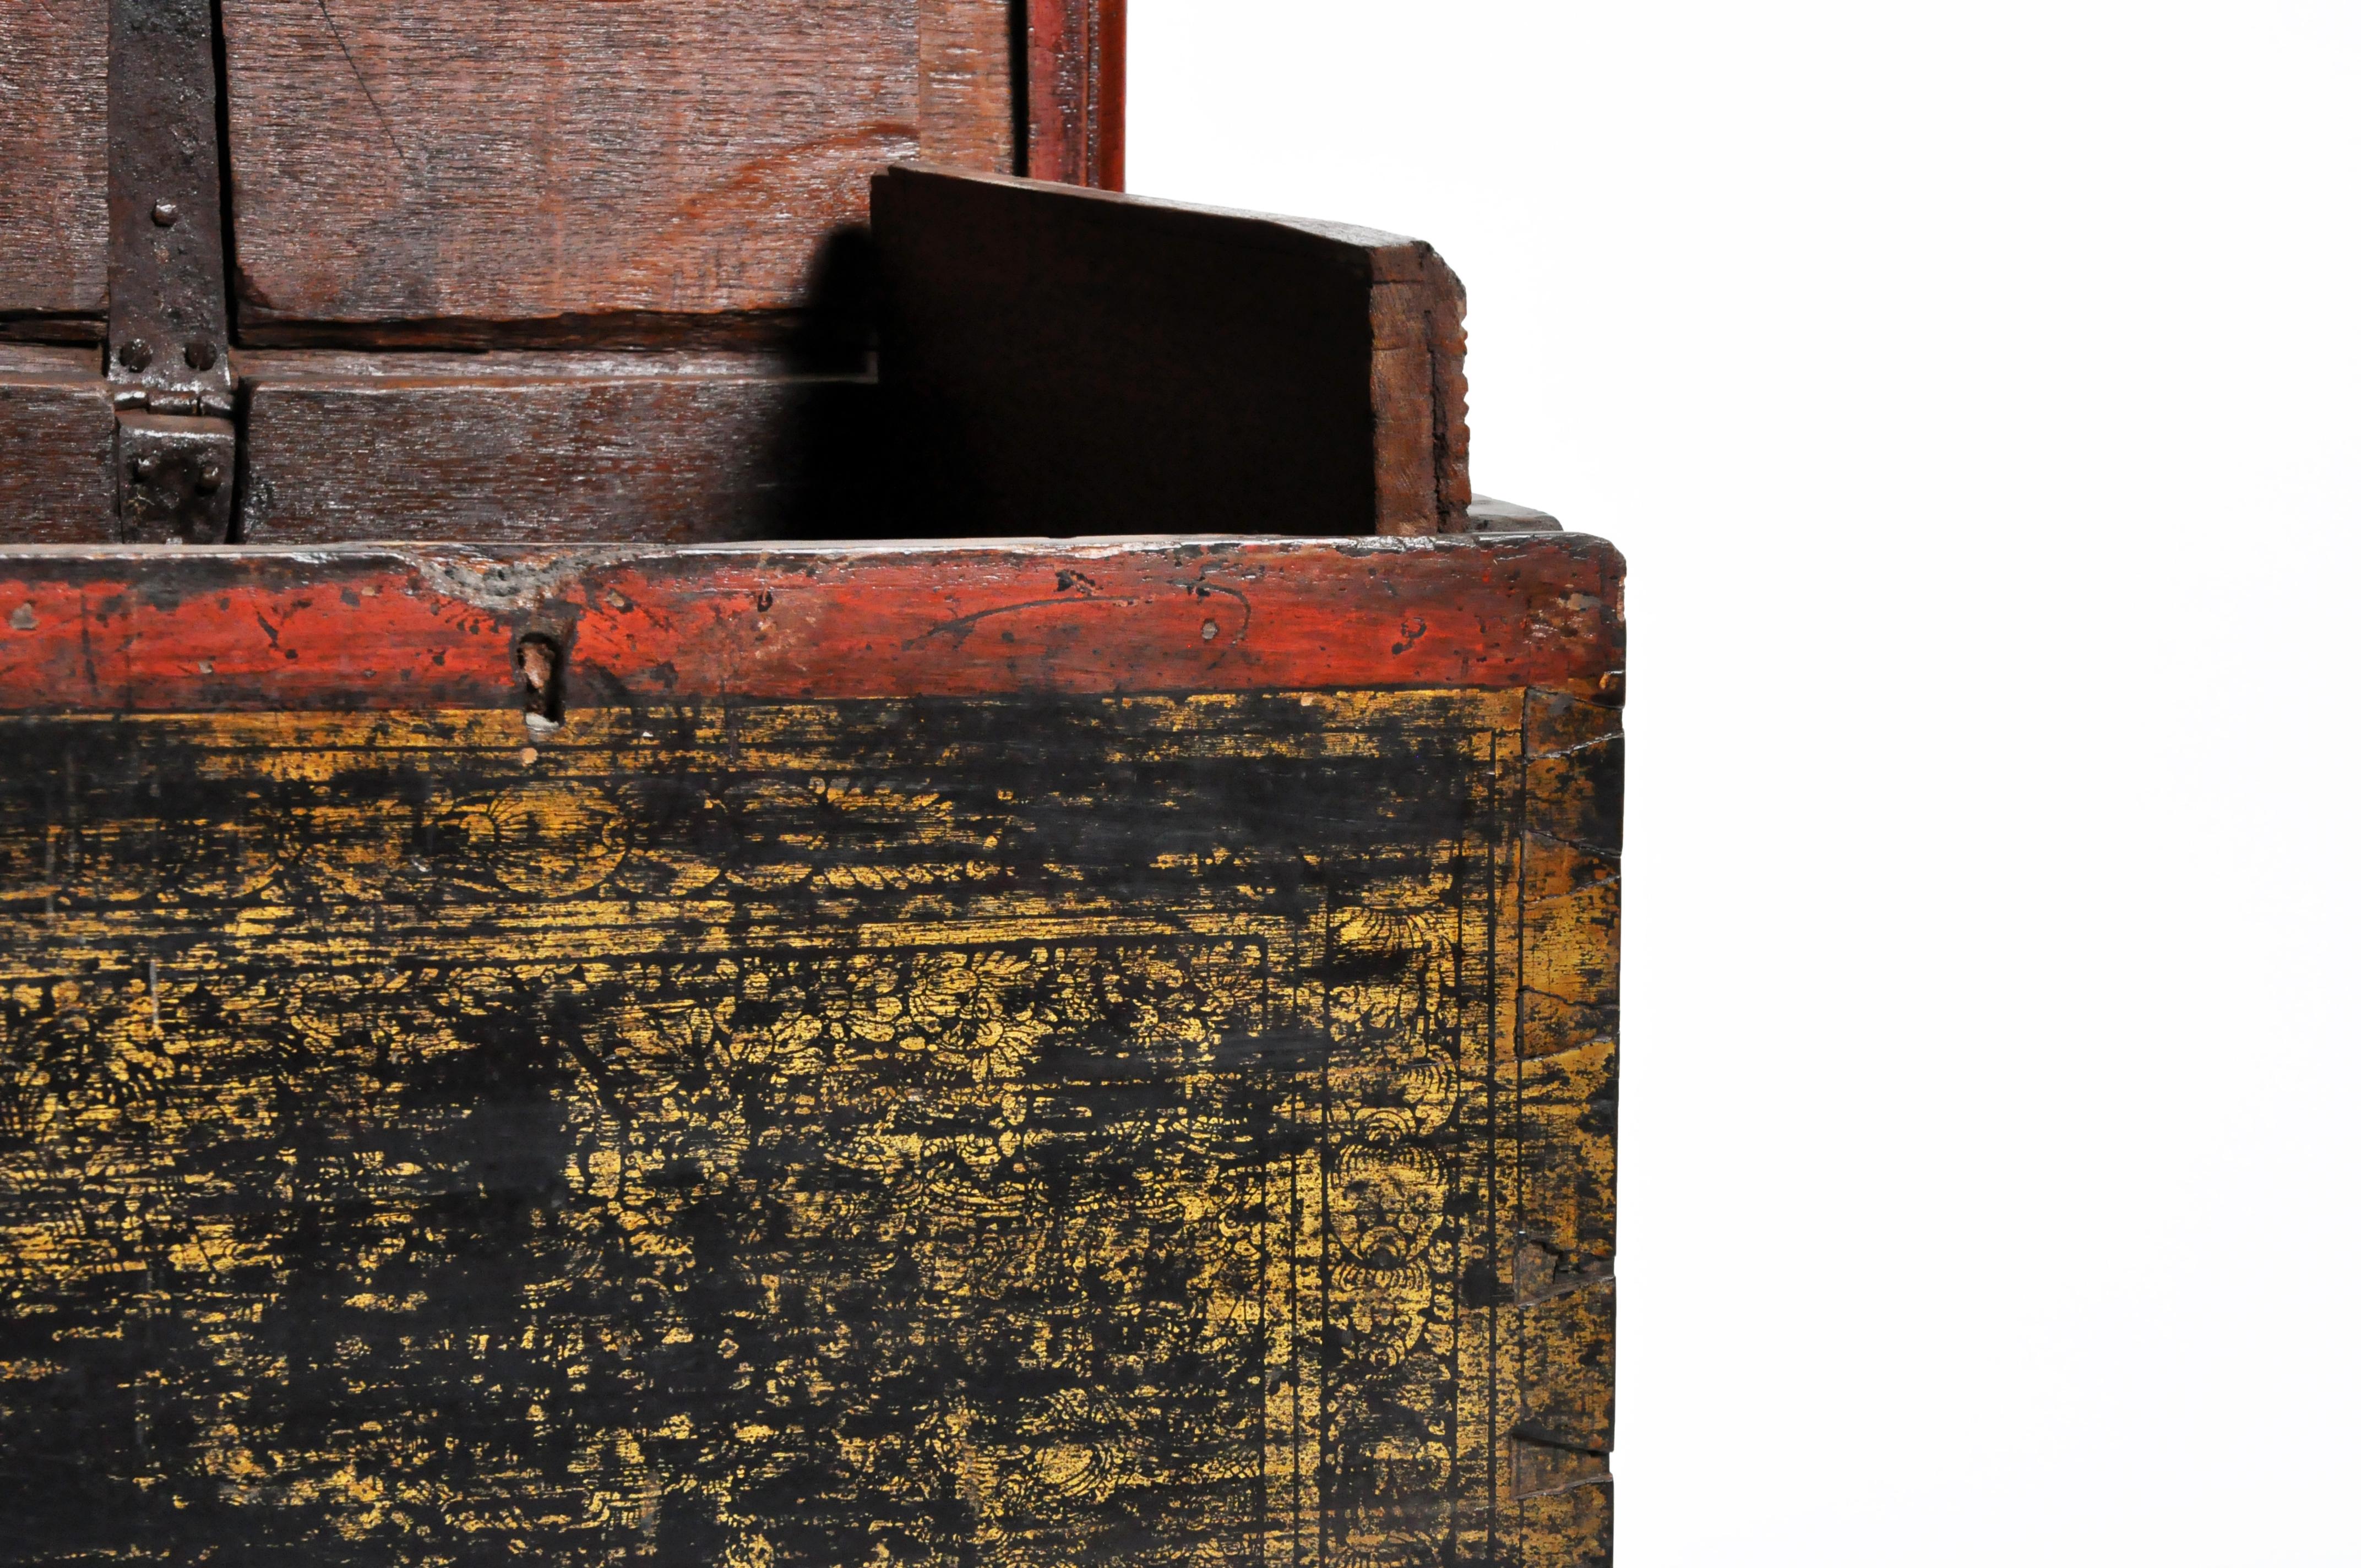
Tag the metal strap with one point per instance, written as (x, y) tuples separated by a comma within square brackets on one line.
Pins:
[(168, 310)]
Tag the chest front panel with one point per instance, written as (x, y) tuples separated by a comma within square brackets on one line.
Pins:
[(1021, 1127), (1009, 1121)]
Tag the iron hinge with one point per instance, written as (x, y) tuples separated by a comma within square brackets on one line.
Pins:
[(168, 301)]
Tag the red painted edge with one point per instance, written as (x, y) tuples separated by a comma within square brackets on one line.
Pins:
[(363, 627), (1111, 86), (1075, 73)]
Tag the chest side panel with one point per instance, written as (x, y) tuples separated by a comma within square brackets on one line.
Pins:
[(1017, 1125)]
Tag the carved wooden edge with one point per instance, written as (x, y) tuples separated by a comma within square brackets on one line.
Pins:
[(1561, 1081), (1074, 69)]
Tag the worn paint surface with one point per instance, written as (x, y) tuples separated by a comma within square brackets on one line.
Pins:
[(1041, 1126)]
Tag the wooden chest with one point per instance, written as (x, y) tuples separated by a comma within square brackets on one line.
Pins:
[(738, 831)]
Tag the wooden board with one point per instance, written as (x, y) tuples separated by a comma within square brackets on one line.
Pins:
[(57, 447), (1071, 361), (53, 157), (566, 161), (944, 1055), (543, 448), (968, 113)]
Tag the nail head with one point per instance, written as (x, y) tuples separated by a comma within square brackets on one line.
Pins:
[(167, 214), (137, 355)]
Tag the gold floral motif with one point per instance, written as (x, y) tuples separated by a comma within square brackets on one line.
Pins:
[(778, 1140)]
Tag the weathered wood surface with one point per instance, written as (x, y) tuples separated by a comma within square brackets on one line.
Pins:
[(561, 162), (355, 626), (861, 1088), (1071, 361), (1075, 68), (53, 157), (968, 113), (551, 448), (57, 447)]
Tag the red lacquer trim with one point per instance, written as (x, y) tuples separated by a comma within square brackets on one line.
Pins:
[(379, 627), (1074, 74), (1110, 84)]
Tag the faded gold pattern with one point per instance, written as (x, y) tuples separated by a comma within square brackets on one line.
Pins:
[(894, 1132)]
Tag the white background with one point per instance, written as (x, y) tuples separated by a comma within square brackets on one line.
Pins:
[(1975, 390)]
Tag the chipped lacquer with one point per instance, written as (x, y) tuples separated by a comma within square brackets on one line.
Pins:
[(1025, 1054)]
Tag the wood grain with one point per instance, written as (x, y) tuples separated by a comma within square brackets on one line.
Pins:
[(404, 162), (1075, 362), (53, 157), (968, 112), (38, 328), (57, 447), (525, 447)]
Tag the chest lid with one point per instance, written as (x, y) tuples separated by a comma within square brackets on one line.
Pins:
[(456, 172)]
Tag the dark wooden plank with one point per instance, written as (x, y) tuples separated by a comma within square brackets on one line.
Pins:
[(1075, 362), (57, 447), (53, 157), (552, 448), (1075, 69), (39, 359), (38, 327), (569, 161)]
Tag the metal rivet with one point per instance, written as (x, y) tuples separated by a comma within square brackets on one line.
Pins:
[(200, 354), (137, 355), (143, 469), (166, 214), (209, 479), (1209, 631)]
